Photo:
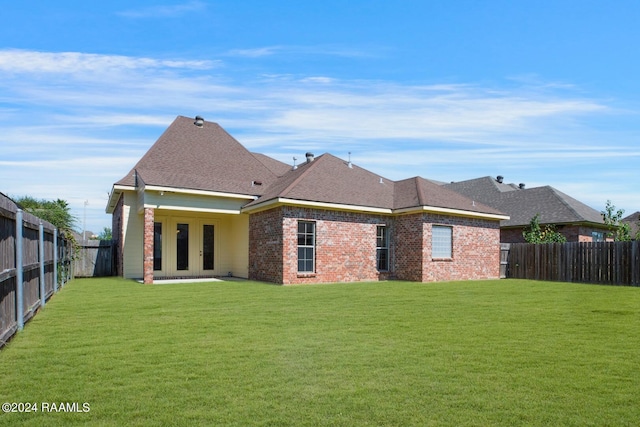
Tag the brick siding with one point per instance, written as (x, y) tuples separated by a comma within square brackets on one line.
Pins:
[(476, 249), (346, 247), (265, 246), (149, 216)]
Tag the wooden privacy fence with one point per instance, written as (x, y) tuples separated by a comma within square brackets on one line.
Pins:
[(610, 263), (95, 258), (34, 262)]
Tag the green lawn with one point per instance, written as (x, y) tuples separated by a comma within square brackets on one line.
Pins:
[(484, 353)]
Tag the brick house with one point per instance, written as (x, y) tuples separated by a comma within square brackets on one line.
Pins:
[(199, 204), (572, 218)]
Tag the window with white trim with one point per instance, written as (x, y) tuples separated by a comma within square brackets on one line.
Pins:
[(382, 248), (306, 246), (441, 241)]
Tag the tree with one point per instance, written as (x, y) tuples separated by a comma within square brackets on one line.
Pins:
[(620, 231), (56, 212), (536, 234), (105, 234)]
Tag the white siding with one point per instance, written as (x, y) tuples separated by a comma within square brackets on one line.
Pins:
[(133, 224)]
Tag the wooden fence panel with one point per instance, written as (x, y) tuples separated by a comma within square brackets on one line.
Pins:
[(39, 266), (610, 263), (95, 259)]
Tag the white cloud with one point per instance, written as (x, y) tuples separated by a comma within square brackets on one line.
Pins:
[(21, 61), (74, 123), (165, 11)]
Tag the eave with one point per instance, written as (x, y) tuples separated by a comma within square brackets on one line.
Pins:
[(451, 211), (115, 196), (281, 201)]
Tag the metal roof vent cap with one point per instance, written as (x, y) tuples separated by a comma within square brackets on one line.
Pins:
[(499, 178), (521, 186), (310, 157), (199, 121)]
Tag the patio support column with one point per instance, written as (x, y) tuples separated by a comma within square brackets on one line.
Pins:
[(148, 245)]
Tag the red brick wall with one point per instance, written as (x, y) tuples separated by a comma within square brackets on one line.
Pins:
[(265, 246), (476, 249), (149, 216), (409, 247), (346, 247)]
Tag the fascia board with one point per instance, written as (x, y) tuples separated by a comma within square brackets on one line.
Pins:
[(318, 205), (199, 192), (191, 209), (115, 195), (450, 211)]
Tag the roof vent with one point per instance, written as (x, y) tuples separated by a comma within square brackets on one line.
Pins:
[(199, 121), (256, 183), (309, 157), (294, 164), (521, 186), (499, 178)]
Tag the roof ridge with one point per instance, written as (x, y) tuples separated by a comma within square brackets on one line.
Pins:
[(419, 189), (299, 178), (562, 200)]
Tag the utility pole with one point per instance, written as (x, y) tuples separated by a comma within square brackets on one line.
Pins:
[(84, 223)]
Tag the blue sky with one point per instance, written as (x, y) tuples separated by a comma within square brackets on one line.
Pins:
[(543, 93)]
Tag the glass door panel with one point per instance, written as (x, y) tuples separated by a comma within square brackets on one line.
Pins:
[(208, 234), (182, 247)]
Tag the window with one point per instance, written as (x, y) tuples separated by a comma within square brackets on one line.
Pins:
[(157, 246), (382, 248), (182, 247), (441, 242), (306, 246), (597, 236)]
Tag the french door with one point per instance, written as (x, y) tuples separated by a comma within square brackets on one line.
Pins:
[(189, 245)]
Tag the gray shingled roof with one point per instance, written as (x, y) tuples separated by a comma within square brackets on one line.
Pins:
[(276, 166), (632, 220), (329, 179), (554, 206), (418, 191), (201, 158), (208, 158)]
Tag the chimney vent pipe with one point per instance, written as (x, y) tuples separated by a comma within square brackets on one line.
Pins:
[(309, 157)]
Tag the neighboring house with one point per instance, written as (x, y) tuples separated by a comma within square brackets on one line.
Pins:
[(575, 220), (634, 224), (199, 204)]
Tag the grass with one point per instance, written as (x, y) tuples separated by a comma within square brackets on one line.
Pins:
[(508, 352)]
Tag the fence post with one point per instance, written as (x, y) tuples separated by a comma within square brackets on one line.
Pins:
[(55, 260), (41, 262), (19, 272)]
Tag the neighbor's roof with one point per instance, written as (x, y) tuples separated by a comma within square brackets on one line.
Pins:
[(634, 223), (554, 206), (202, 158)]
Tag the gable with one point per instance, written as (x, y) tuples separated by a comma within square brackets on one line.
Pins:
[(205, 158)]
